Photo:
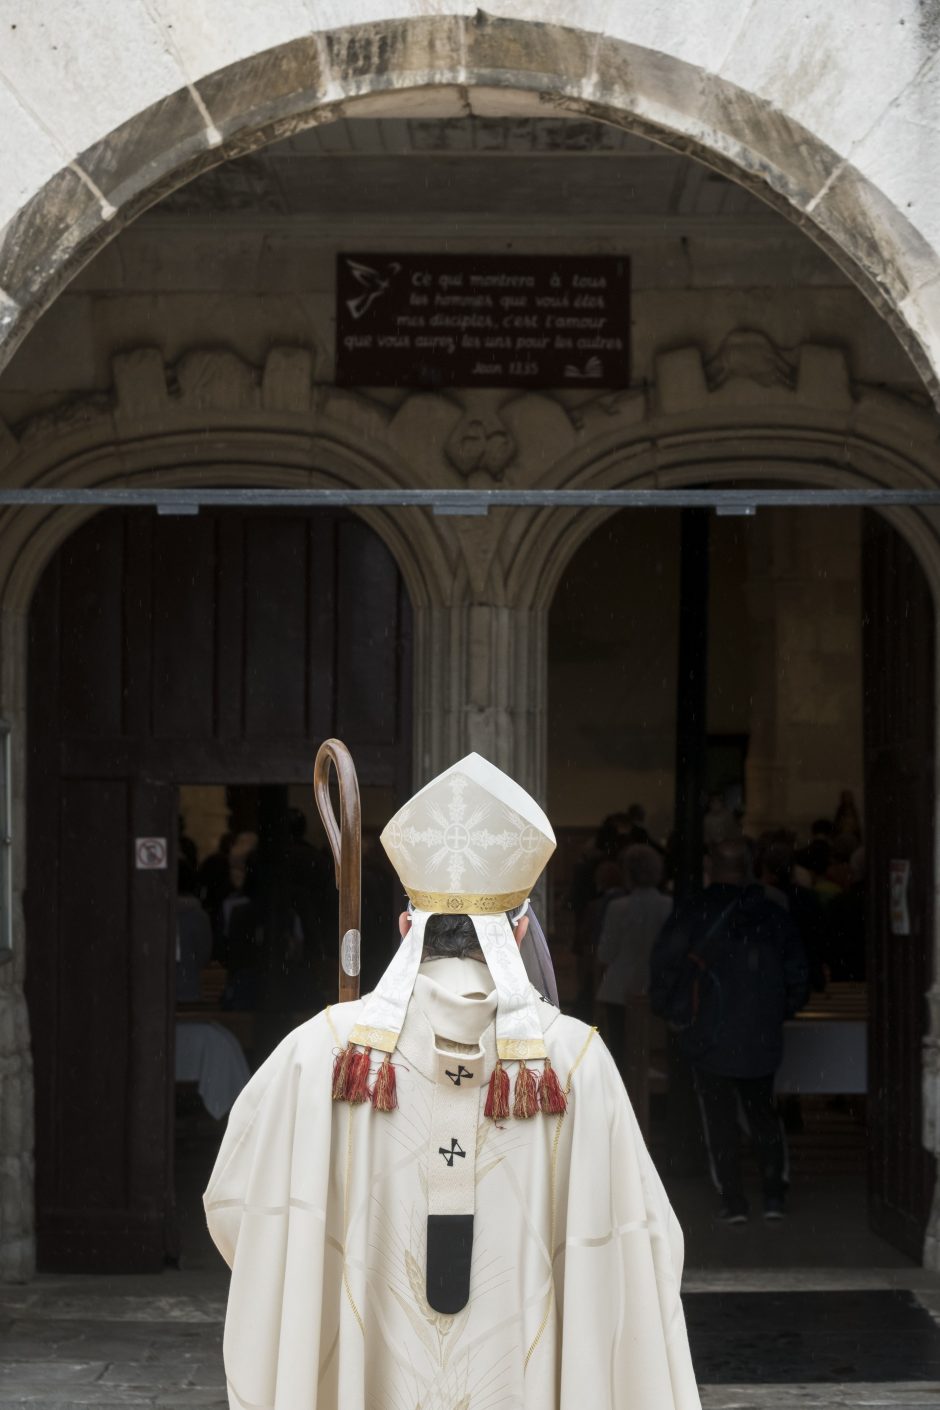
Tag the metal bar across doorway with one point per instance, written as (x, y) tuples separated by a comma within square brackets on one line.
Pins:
[(470, 502)]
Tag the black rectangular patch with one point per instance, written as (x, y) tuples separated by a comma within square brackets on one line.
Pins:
[(450, 1245)]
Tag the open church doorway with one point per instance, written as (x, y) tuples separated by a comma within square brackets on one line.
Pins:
[(818, 746), (178, 664), (256, 930)]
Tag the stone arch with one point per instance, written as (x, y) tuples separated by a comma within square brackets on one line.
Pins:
[(221, 428), (278, 76), (556, 544), (31, 545), (814, 427)]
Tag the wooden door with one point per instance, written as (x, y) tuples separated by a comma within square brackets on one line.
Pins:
[(216, 649), (104, 971), (898, 640)]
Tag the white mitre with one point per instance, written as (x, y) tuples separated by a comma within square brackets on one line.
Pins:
[(471, 842)]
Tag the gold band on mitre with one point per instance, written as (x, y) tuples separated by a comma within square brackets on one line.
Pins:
[(468, 903)]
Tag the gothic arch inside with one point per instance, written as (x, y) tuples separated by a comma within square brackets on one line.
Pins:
[(197, 347)]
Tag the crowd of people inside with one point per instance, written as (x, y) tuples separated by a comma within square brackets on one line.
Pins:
[(819, 881), (266, 926), (722, 968), (270, 921)]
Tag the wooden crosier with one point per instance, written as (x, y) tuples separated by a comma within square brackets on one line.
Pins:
[(345, 839)]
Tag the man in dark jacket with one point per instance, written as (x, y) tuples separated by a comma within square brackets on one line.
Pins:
[(732, 962)]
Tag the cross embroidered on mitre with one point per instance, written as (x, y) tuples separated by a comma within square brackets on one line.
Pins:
[(470, 835)]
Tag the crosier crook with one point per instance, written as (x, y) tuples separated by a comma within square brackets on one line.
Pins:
[(345, 839)]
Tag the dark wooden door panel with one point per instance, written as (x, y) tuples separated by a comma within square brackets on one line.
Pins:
[(230, 630), (94, 961), (167, 651), (105, 1156), (90, 623), (899, 803), (276, 604), (150, 1049), (366, 687), (184, 627)]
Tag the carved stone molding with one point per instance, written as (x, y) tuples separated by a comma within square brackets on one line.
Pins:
[(749, 369), (481, 445), (752, 355), (477, 437)]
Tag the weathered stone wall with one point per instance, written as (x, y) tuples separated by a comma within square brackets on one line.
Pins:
[(832, 114)]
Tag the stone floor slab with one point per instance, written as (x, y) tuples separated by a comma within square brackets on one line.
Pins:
[(23, 1374), (154, 1343)]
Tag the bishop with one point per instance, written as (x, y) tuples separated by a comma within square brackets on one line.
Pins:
[(437, 1197)]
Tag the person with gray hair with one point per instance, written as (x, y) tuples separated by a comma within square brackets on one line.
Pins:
[(631, 925)]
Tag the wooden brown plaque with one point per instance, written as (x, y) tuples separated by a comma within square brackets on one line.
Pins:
[(482, 321)]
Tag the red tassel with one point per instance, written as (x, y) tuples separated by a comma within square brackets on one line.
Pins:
[(552, 1099), (526, 1098), (384, 1095), (497, 1097), (341, 1074), (358, 1087)]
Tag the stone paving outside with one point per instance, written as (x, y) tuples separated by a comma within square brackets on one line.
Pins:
[(155, 1341), (112, 1343)]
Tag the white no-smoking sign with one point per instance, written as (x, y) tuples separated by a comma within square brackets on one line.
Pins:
[(150, 853)]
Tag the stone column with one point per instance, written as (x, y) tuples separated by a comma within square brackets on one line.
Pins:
[(930, 1065), (481, 684), (17, 1247), (804, 605), (930, 1093), (766, 772)]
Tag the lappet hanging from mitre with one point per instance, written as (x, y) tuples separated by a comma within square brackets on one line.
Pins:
[(437, 1197)]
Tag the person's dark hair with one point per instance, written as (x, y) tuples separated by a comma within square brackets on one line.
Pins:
[(450, 937), (606, 875), (816, 857), (777, 862), (186, 881), (251, 881), (732, 861), (611, 830), (453, 937)]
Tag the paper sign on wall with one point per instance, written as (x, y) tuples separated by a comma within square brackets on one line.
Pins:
[(150, 853), (899, 875)]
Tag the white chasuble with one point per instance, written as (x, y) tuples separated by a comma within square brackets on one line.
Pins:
[(331, 1215)]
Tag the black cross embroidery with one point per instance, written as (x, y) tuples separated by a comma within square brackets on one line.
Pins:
[(456, 1076), (455, 1149)]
